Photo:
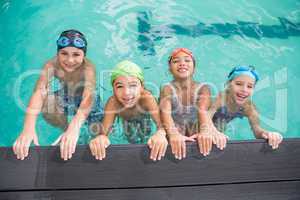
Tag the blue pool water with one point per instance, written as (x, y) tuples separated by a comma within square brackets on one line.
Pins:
[(221, 34)]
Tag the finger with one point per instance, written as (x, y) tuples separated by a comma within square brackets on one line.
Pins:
[(218, 142), (21, 152), (223, 143), (15, 147), (154, 152), (71, 149), (62, 147), (161, 152), (265, 135), (92, 148), (215, 140), (271, 140), (209, 144), (98, 150), (149, 143), (183, 150), (26, 149), (205, 149), (173, 147), (191, 138), (179, 150), (103, 150), (66, 150), (165, 149), (202, 146)]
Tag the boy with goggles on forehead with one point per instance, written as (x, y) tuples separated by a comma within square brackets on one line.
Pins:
[(64, 94), (235, 102)]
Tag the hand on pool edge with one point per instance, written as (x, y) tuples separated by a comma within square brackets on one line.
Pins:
[(22, 144), (158, 144), (98, 146)]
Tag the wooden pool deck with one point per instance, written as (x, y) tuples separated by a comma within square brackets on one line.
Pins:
[(244, 170)]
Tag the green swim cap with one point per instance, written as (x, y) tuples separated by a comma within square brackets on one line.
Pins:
[(126, 68)]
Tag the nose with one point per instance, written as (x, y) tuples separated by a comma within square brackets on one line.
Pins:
[(70, 59), (126, 91), (245, 88), (181, 62)]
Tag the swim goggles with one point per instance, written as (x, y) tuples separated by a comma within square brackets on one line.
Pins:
[(64, 41), (178, 50), (243, 70)]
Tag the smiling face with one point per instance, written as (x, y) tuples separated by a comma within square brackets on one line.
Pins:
[(70, 58), (241, 88), (127, 90), (182, 66)]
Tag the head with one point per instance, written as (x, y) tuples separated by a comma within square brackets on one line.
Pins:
[(71, 50), (182, 63), (241, 82), (127, 80)]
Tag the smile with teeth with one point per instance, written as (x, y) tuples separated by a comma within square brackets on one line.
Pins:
[(182, 69), (128, 100), (241, 96)]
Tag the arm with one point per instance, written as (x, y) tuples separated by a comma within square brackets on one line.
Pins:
[(70, 137), (219, 138), (177, 140), (203, 137), (101, 142), (274, 138), (157, 142), (22, 143)]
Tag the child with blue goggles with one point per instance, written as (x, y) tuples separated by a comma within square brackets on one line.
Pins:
[(64, 94), (235, 102)]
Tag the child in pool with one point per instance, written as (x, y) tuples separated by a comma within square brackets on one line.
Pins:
[(65, 87), (134, 105), (184, 104), (236, 101)]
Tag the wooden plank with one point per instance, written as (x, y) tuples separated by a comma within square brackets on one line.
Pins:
[(128, 166), (249, 191)]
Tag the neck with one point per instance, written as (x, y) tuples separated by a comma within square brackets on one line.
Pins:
[(184, 83)]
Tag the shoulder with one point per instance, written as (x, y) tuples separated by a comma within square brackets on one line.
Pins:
[(146, 95), (249, 108), (88, 65), (167, 89), (202, 88), (112, 104)]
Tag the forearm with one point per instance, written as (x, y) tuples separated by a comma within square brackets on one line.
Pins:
[(33, 109), (82, 113), (258, 132), (168, 124)]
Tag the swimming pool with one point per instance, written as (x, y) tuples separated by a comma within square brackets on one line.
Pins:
[(221, 35)]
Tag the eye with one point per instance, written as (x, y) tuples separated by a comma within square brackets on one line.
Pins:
[(76, 54), (63, 53), (250, 86), (175, 61), (187, 60), (238, 83), (118, 86), (133, 85)]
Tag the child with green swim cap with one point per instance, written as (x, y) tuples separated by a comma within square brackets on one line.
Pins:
[(235, 102), (134, 105), (65, 88)]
